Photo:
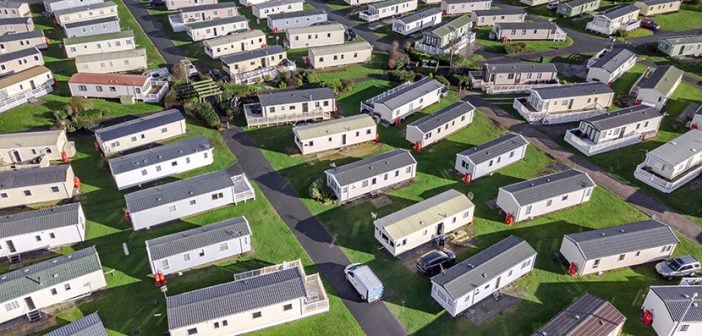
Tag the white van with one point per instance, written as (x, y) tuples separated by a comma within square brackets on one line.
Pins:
[(365, 282)]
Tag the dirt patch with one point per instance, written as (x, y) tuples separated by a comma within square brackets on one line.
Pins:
[(380, 201), (493, 306), (351, 151), (492, 204)]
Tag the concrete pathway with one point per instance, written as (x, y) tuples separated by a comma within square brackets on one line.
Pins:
[(632, 195), (375, 319)]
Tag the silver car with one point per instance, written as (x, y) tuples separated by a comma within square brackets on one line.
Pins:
[(678, 267)]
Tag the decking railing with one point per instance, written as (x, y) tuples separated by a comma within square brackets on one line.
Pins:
[(7, 103), (589, 148), (268, 269), (667, 186), (256, 120), (241, 182)]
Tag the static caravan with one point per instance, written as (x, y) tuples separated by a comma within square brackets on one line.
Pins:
[(182, 198), (482, 274), (55, 5), (422, 222), (208, 12), (455, 7), (335, 134), (614, 130), (532, 3), (696, 114), (447, 38), (85, 13), (249, 3), (264, 9), (184, 250), (315, 36), (36, 185), (25, 86), (577, 7), (42, 229), (98, 44), (371, 175), (654, 88), (281, 22), (63, 279), (203, 30), (19, 41), (113, 61), (542, 195), (565, 103), (656, 7), (116, 86), (385, 9), (89, 325), (291, 106), (16, 25), (14, 9), (255, 300), (486, 158), (400, 102), (666, 305), (612, 20), (627, 245), (247, 67), (27, 147), (681, 46), (178, 4), (440, 124), (513, 77), (528, 31), (609, 64), (489, 17), (93, 27), (673, 164), (589, 315), (140, 131), (18, 61), (232, 43), (360, 2), (339, 55), (415, 22), (154, 164)]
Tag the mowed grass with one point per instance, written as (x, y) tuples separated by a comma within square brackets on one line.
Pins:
[(495, 46), (623, 84), (127, 20), (689, 17), (407, 293)]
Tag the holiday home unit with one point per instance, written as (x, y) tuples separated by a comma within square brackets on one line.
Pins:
[(488, 157), (20, 41), (335, 134), (28, 147), (140, 131), (339, 55), (400, 102), (440, 124), (98, 44), (25, 86)]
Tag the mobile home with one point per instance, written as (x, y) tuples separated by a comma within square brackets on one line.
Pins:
[(454, 7), (18, 61), (116, 86), (281, 22), (588, 314), (339, 55), (655, 7), (654, 88), (246, 67), (24, 147), (113, 61), (85, 13), (681, 46), (36, 185), (236, 42), (577, 7), (388, 8), (673, 164), (447, 38), (415, 22), (335, 134), (315, 36), (19, 41), (528, 31), (55, 5), (14, 9), (667, 304), (609, 64), (291, 106), (98, 44), (264, 9), (565, 103), (25, 86), (92, 27), (513, 77), (140, 131), (612, 20), (89, 325), (16, 25), (488, 157), (490, 17), (203, 30), (436, 126), (400, 102), (178, 4)]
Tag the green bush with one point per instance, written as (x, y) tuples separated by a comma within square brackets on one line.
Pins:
[(401, 76), (203, 112), (320, 192), (516, 48), (442, 80), (622, 33)]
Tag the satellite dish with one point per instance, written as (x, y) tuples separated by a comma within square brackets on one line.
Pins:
[(470, 195)]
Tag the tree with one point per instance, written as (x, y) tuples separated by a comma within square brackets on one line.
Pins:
[(180, 71), (202, 111), (319, 191), (77, 105)]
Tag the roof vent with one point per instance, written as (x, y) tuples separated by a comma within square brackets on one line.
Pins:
[(621, 230), (470, 266), (55, 275), (158, 199), (602, 234), (69, 256), (54, 261), (484, 275), (26, 270), (577, 317), (600, 322)]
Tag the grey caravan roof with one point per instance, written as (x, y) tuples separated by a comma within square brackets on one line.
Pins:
[(409, 93), (499, 11), (620, 239), (520, 67), (527, 25), (419, 15), (275, 3), (234, 297), (372, 166), (656, 2), (622, 117), (545, 187), (440, 117), (192, 239), (679, 149), (159, 154), (77, 9), (619, 11), (39, 220), (613, 59), (91, 22), (18, 54), (90, 325), (677, 299), (178, 190), (290, 15), (208, 7), (576, 3), (685, 39), (589, 315), (252, 54), (294, 96), (23, 281), (10, 179), (662, 79), (494, 148), (216, 22), (483, 266), (139, 124), (463, 1), (573, 90), (21, 36)]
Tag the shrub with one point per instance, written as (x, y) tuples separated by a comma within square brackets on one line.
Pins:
[(443, 80), (396, 58), (311, 76), (516, 48), (622, 33), (401, 76), (319, 191), (282, 84), (171, 98), (203, 112), (180, 72)]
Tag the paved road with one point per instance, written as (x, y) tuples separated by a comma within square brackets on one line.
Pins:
[(375, 319), (155, 32), (633, 195)]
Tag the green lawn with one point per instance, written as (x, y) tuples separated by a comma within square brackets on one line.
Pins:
[(494, 46), (350, 103), (623, 85), (127, 21), (689, 17), (373, 69), (407, 293), (338, 5)]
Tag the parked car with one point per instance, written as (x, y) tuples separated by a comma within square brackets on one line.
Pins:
[(552, 5), (217, 75), (435, 261), (365, 282), (650, 24), (678, 267), (192, 70), (159, 74), (159, 4), (350, 34)]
